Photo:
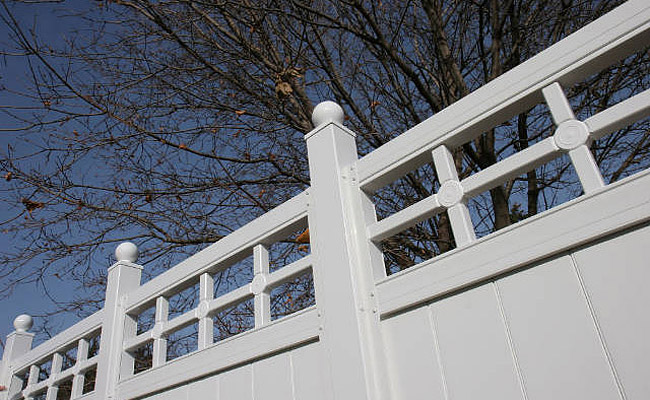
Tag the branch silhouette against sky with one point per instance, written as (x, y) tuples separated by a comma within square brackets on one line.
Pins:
[(172, 123)]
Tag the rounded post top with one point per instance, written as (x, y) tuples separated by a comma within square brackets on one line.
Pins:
[(327, 111), (23, 323), (127, 251)]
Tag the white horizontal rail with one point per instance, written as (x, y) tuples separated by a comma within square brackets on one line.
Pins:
[(272, 226), (87, 396), (403, 219), (31, 390), (279, 335), (230, 299), (136, 342), (587, 218), (289, 272), (615, 35), (510, 167), (620, 115), (67, 338), (189, 317)]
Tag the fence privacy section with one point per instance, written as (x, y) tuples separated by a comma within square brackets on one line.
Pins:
[(509, 314)]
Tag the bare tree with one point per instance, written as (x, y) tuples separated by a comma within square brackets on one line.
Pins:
[(171, 123)]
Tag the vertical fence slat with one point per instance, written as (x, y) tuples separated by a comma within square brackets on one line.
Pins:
[(586, 168), (573, 136), (206, 325), (160, 341), (78, 379), (55, 369), (451, 196), (262, 299), (558, 103), (34, 372)]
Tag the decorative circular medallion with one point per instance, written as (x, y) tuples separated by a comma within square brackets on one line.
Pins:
[(202, 309), (258, 284), (571, 134), (157, 331), (450, 193)]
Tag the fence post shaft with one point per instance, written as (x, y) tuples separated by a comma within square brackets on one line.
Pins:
[(123, 277), (18, 343), (343, 274)]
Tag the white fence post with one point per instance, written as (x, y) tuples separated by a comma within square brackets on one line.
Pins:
[(123, 277), (18, 343), (343, 274)]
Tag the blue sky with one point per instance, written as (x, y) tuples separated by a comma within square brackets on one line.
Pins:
[(47, 21)]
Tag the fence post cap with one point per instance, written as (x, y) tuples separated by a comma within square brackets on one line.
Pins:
[(23, 323), (327, 111), (127, 251)]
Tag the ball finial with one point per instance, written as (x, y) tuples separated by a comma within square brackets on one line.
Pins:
[(23, 323), (126, 251), (327, 111)]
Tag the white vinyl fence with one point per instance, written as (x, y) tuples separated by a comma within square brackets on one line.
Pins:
[(552, 307)]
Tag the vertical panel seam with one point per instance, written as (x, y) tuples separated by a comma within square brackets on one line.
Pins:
[(252, 366), (292, 379), (436, 344), (218, 388), (511, 344), (599, 333)]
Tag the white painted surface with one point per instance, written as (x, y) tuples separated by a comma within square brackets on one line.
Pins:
[(207, 388), (582, 220), (310, 373), (179, 393), (343, 274), (272, 378), (245, 348), (474, 349), (554, 336), (573, 326), (296, 374), (616, 276), (413, 356), (236, 384)]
